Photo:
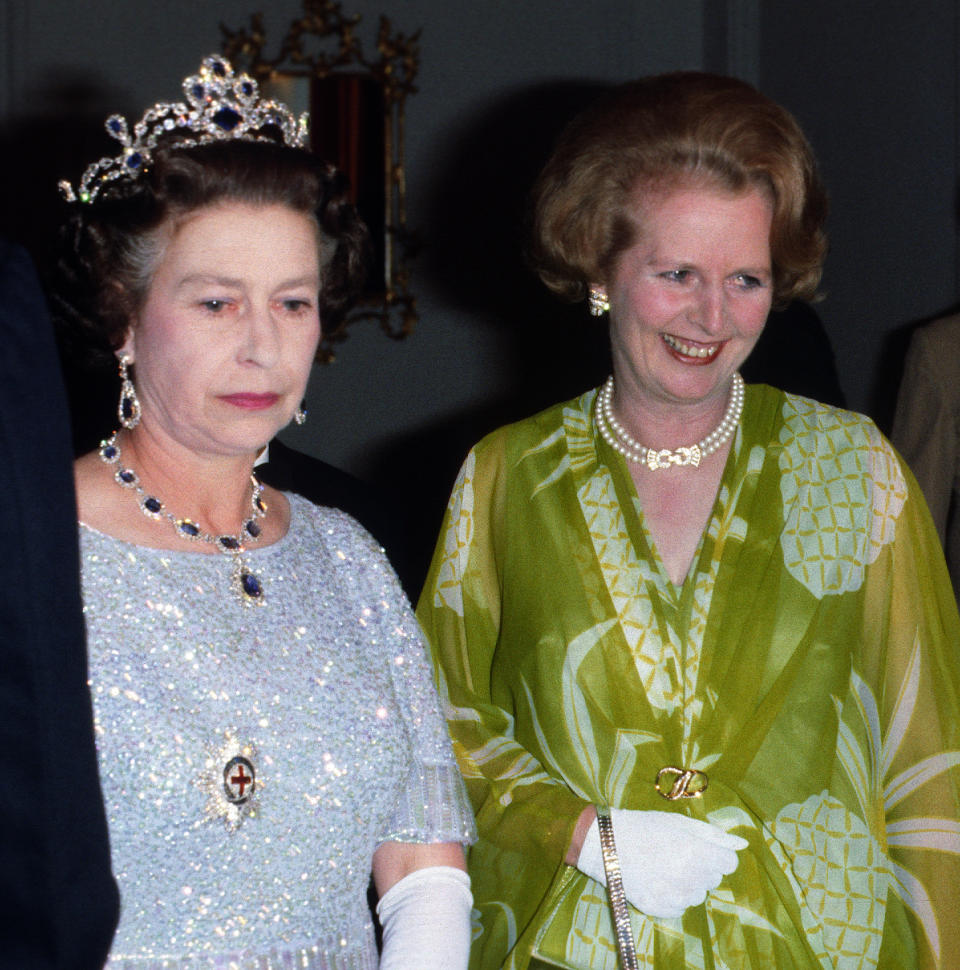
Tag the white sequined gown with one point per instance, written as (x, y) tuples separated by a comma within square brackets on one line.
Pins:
[(253, 757)]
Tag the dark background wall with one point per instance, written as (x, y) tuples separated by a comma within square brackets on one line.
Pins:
[(874, 84)]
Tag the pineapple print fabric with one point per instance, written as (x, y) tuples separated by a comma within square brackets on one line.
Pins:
[(809, 664)]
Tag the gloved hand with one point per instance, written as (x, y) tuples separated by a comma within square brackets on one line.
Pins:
[(426, 920), (667, 860)]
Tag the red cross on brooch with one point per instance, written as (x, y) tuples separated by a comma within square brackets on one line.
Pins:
[(239, 776)]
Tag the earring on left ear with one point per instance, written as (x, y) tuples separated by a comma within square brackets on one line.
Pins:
[(598, 302), (128, 410), (300, 415)]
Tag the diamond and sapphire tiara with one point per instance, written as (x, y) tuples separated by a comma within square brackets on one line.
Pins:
[(221, 106)]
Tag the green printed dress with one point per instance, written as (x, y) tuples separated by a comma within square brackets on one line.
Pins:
[(809, 665)]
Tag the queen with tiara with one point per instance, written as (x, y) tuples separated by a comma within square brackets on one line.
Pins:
[(267, 728)]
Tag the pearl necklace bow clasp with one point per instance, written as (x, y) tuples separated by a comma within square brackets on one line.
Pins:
[(665, 457), (615, 435)]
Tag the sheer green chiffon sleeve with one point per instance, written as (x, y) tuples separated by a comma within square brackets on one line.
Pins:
[(527, 814)]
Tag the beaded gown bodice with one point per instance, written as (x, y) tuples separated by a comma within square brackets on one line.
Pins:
[(252, 757)]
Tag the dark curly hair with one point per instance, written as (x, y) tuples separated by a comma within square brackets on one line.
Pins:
[(108, 249), (657, 132)]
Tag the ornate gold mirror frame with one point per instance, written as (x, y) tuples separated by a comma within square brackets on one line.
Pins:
[(356, 110)]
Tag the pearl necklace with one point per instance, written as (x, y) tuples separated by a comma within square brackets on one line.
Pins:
[(244, 582), (617, 437)]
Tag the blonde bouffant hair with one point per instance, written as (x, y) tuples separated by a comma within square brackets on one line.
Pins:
[(661, 132)]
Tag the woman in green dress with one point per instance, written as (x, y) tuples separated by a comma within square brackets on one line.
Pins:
[(696, 640)]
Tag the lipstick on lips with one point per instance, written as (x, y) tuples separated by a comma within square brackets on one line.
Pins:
[(691, 352), (248, 401)]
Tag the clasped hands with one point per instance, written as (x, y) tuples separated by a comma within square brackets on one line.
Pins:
[(668, 861)]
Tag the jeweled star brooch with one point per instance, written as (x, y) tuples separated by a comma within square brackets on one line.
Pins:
[(231, 782)]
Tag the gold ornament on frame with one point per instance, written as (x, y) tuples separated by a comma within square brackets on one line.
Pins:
[(357, 118)]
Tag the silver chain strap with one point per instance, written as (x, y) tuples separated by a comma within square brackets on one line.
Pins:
[(618, 901)]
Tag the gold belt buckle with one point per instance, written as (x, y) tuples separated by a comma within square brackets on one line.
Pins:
[(687, 782)]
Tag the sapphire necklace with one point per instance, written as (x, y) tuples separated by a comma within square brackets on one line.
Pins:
[(244, 581)]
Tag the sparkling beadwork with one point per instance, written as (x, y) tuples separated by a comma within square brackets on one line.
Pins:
[(347, 748)]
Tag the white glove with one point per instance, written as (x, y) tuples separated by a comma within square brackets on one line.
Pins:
[(426, 920), (667, 860)]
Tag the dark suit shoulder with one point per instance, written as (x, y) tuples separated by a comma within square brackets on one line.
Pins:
[(939, 342)]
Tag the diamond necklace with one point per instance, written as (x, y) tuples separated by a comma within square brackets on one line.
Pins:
[(244, 582), (615, 435)]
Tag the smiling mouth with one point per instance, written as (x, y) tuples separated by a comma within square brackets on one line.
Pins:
[(691, 350)]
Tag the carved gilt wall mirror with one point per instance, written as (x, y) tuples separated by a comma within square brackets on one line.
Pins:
[(356, 107)]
